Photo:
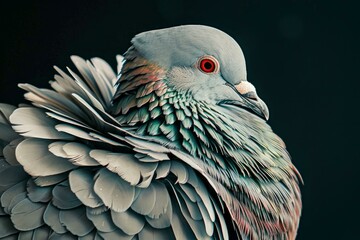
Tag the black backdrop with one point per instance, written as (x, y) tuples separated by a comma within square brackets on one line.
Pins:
[(301, 55)]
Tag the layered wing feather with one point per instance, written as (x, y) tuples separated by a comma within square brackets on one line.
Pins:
[(70, 170)]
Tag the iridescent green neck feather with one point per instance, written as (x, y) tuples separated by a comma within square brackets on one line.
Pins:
[(239, 149)]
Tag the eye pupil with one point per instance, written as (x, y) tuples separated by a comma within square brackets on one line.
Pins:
[(208, 65)]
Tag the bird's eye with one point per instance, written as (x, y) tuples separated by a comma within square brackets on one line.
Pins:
[(208, 64)]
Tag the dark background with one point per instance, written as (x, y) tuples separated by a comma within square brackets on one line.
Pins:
[(303, 57)]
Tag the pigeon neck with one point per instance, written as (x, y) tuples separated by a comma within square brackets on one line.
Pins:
[(226, 138), (144, 103), (238, 149)]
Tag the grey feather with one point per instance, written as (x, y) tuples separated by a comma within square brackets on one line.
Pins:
[(74, 131), (125, 165), (97, 210), (9, 152), (145, 158), (190, 192), (109, 187), (57, 236), (92, 114), (147, 145), (89, 236), (79, 154), (64, 83), (15, 200), (145, 201), (66, 119), (51, 99), (162, 201), (209, 225), (117, 234), (155, 155), (63, 197), (9, 195), (98, 237), (102, 221), (41, 233), (180, 171), (50, 180), (107, 140), (85, 72), (149, 233), (163, 169), (11, 176), (56, 148), (224, 234), (129, 222), (179, 225), (7, 227), (192, 207), (81, 183), (203, 194), (88, 94), (163, 221), (119, 60), (7, 133), (104, 67), (38, 194), (2, 212), (52, 219), (6, 110), (27, 215), (197, 227), (76, 222), (40, 162), (26, 235), (11, 237), (104, 85), (33, 122)]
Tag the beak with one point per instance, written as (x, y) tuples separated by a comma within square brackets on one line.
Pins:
[(248, 99)]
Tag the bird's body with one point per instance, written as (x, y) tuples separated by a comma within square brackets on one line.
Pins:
[(176, 149)]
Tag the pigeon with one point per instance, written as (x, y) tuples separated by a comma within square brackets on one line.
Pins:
[(174, 144)]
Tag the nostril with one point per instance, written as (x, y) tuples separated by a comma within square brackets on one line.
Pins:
[(245, 87)]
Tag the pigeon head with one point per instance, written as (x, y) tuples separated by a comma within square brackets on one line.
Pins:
[(201, 62), (184, 46)]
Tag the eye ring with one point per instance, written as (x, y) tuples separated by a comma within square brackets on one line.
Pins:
[(208, 64)]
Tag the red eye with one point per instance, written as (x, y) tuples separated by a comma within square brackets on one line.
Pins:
[(208, 64)]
